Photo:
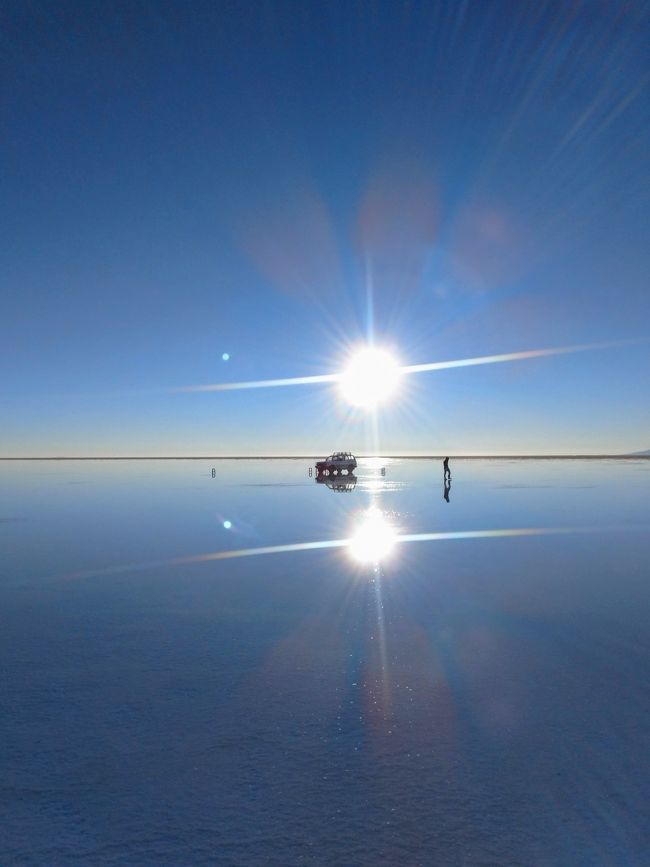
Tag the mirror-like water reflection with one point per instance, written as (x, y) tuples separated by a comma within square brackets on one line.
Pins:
[(247, 669)]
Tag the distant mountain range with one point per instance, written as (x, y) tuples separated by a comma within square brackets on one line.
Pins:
[(640, 454)]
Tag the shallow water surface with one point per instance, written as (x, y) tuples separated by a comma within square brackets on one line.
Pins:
[(257, 668)]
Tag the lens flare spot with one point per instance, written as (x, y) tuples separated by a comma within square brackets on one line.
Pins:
[(375, 538), (371, 378), (227, 525), (225, 356)]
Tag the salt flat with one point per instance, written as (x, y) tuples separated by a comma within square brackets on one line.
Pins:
[(458, 701)]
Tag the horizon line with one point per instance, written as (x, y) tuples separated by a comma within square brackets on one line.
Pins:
[(563, 456)]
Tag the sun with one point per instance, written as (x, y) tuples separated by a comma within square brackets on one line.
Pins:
[(370, 378)]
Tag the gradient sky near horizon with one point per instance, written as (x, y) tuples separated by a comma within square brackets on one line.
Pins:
[(183, 180)]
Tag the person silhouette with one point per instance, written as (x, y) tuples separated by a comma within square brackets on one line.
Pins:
[(447, 488), (445, 469)]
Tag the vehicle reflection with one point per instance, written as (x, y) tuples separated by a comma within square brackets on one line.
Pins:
[(343, 484)]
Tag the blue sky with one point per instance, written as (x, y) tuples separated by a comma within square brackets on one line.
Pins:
[(183, 180)]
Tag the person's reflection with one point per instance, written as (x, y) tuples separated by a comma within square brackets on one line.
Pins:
[(447, 489)]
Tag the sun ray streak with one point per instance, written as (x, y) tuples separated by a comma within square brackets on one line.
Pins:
[(210, 556), (261, 383), (413, 368), (324, 544), (370, 303), (381, 637), (509, 356)]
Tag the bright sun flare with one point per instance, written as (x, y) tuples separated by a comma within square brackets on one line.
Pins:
[(370, 378), (374, 539)]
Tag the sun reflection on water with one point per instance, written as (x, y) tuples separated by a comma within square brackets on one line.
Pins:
[(374, 539)]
